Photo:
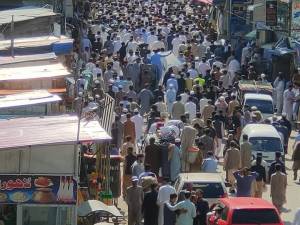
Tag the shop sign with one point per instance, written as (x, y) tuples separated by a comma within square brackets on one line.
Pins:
[(271, 12), (296, 19), (39, 189)]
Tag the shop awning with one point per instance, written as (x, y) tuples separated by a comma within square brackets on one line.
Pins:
[(254, 6), (36, 71), (95, 206), (25, 13), (28, 98), (49, 130)]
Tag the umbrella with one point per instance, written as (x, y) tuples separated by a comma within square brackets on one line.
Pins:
[(94, 206)]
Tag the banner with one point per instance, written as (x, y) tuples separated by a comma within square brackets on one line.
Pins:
[(29, 189), (295, 19), (271, 13)]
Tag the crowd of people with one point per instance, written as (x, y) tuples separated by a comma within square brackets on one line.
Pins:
[(163, 113)]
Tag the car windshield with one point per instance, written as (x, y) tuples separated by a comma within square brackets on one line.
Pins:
[(211, 190), (266, 144), (263, 106), (255, 216)]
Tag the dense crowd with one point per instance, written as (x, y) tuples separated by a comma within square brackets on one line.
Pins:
[(164, 111)]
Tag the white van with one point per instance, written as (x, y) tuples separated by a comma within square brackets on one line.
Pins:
[(212, 185), (263, 102), (265, 139)]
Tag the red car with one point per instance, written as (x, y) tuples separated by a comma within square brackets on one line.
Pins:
[(244, 211)]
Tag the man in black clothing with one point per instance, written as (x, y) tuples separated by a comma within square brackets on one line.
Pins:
[(273, 164), (260, 179), (170, 216), (202, 208), (149, 207), (159, 93), (181, 84), (284, 122)]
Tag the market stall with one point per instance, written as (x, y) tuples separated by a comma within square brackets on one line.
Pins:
[(39, 168), (31, 103)]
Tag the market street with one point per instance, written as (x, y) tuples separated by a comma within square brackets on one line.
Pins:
[(135, 111)]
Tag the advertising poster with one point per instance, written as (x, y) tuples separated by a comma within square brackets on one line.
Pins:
[(271, 13), (29, 189), (296, 19)]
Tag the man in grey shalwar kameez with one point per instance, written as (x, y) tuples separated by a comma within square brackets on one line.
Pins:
[(134, 71), (145, 98)]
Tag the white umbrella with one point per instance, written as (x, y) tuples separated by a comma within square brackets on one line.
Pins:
[(94, 206)]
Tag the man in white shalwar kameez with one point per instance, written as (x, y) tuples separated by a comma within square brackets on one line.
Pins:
[(279, 89), (139, 124), (163, 196), (288, 101)]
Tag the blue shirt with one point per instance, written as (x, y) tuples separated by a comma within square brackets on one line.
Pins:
[(209, 165), (244, 184), (174, 82)]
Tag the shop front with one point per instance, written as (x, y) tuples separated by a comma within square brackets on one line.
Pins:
[(38, 199), (39, 168)]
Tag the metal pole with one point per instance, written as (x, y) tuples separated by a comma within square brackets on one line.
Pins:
[(290, 16), (12, 36)]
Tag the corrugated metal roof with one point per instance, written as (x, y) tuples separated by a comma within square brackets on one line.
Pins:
[(28, 98), (27, 58), (33, 72), (48, 130), (24, 13), (32, 41)]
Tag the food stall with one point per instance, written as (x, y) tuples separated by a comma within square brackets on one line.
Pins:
[(39, 168)]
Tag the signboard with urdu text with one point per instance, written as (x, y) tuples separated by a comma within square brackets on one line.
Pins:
[(37, 189)]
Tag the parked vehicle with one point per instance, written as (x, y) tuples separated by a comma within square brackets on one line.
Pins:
[(212, 185), (263, 103), (244, 211), (265, 139)]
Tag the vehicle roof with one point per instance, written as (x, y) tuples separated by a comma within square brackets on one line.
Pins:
[(260, 130), (246, 203), (210, 177), (258, 96)]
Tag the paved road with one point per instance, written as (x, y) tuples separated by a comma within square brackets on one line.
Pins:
[(293, 191)]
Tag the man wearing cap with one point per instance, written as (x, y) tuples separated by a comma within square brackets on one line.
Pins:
[(261, 179), (272, 168), (134, 200), (278, 184)]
